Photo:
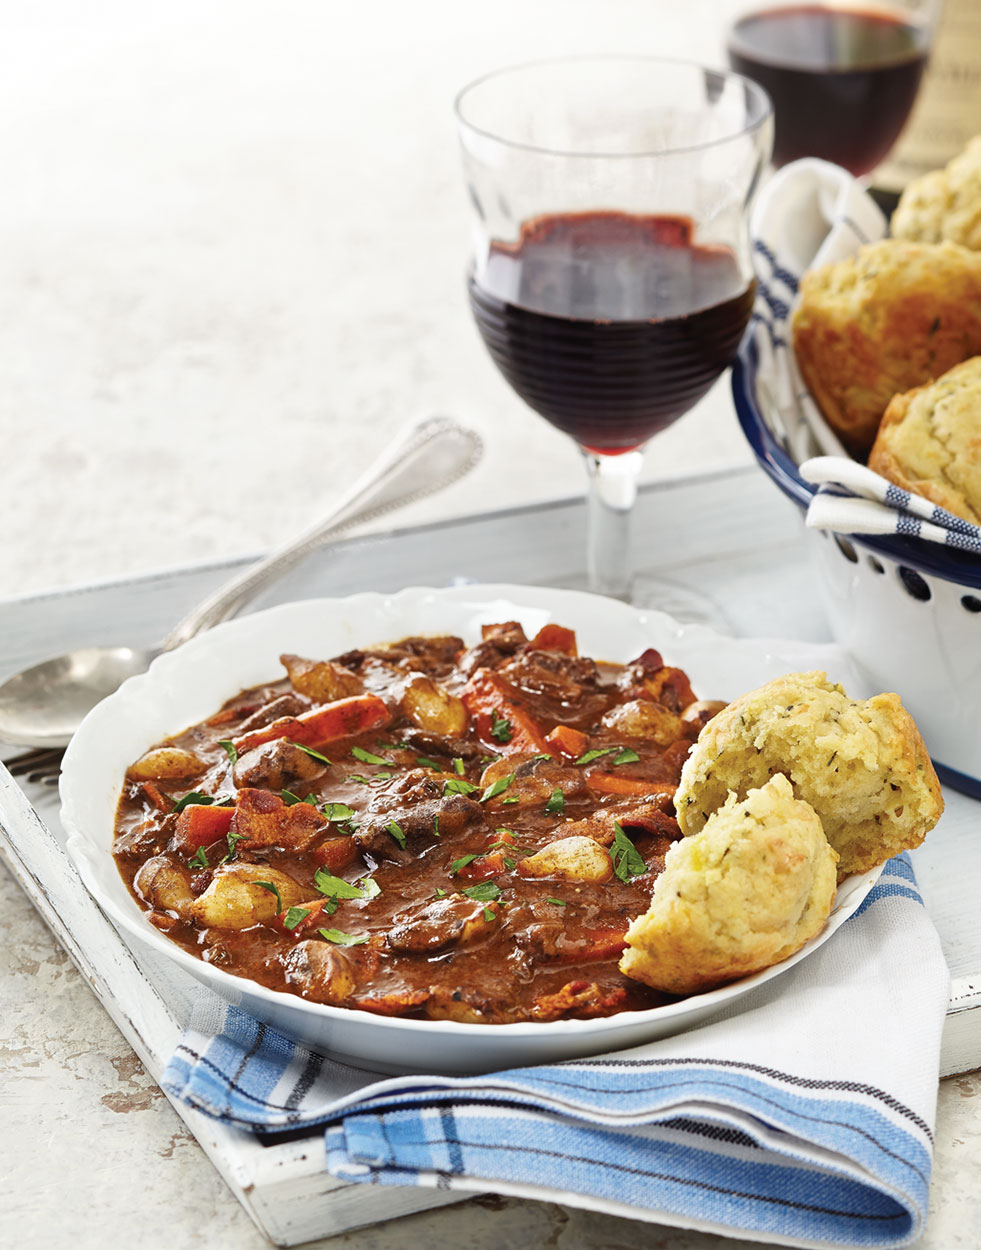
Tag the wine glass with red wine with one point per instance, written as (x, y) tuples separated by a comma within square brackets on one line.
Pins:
[(842, 74), (611, 278)]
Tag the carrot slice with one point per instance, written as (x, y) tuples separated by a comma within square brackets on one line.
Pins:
[(489, 701), (608, 783), (555, 638), (568, 741), (337, 853), (343, 719), (198, 826)]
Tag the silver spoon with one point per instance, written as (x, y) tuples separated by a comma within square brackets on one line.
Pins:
[(44, 705)]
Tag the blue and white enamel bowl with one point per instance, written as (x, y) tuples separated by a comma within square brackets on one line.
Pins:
[(907, 611)]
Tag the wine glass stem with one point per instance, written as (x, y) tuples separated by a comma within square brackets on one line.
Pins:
[(612, 491)]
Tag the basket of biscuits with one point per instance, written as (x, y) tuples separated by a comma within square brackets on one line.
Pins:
[(859, 390)]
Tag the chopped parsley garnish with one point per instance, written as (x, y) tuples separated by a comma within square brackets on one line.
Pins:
[(457, 785), (337, 813), (199, 859), (425, 762), (337, 887), (462, 862), (593, 755), (272, 889), (195, 797), (436, 826), (440, 893), (626, 755), (489, 914), (340, 938), (557, 901), (230, 750), (370, 887), (509, 863), (309, 751), (366, 757), (395, 829), (233, 840), (482, 892), (627, 860), (497, 787), (513, 799), (459, 767), (293, 917), (289, 798), (556, 804), (500, 728), (542, 755)]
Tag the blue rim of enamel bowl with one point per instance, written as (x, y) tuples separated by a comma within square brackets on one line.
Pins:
[(953, 566)]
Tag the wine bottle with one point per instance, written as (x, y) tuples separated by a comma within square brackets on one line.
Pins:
[(947, 112)]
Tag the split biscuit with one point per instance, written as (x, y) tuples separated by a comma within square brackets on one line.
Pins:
[(894, 316), (862, 766), (750, 889)]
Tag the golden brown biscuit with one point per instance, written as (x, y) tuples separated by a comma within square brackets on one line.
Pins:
[(749, 890), (944, 204), (896, 315), (929, 441), (862, 766)]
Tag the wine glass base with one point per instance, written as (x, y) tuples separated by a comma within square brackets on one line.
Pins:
[(684, 603)]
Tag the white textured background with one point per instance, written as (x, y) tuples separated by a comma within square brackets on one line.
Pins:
[(232, 244)]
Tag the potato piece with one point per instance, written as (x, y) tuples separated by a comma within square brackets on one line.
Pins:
[(234, 900), (321, 680), (574, 859), (433, 708), (165, 885), (166, 764), (643, 719)]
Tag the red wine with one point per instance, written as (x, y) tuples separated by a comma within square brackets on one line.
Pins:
[(611, 326), (842, 81)]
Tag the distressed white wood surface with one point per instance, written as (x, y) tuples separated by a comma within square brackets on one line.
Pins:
[(283, 1188)]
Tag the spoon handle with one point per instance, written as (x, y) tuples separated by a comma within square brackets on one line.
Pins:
[(433, 454)]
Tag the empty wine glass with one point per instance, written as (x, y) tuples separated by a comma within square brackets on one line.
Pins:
[(610, 275)]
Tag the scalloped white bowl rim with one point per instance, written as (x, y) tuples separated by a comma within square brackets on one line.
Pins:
[(184, 686)]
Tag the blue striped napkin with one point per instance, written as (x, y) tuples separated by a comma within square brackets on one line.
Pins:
[(803, 1113), (852, 499)]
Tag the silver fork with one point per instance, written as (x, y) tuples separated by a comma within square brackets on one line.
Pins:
[(41, 767)]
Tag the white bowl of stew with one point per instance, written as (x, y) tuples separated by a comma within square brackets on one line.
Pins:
[(445, 949)]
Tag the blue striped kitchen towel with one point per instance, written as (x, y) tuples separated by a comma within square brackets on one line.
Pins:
[(802, 1114)]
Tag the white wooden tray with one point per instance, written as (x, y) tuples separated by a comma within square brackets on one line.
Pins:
[(729, 535)]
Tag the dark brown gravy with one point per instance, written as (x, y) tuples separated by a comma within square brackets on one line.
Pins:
[(437, 812)]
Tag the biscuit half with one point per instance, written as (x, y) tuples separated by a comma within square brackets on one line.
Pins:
[(861, 765), (750, 889)]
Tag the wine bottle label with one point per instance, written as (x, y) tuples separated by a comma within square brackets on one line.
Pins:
[(947, 112)]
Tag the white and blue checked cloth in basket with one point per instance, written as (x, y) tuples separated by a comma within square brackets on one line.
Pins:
[(802, 1115), (812, 213)]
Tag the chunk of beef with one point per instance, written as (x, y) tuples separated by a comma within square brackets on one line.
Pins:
[(418, 824), (499, 642), (285, 705), (441, 745)]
